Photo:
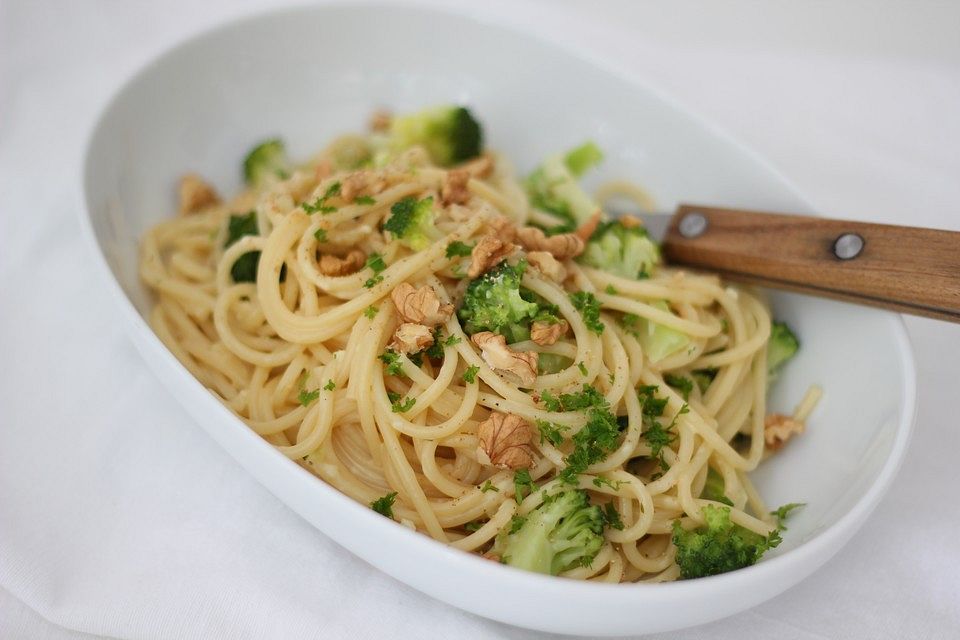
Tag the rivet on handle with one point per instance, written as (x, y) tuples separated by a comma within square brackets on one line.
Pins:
[(692, 225), (848, 246)]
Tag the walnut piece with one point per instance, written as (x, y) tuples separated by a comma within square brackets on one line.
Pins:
[(380, 120), (455, 190), (489, 252), (778, 428), (586, 230), (410, 338), (503, 227), (323, 170), (547, 333), (630, 222), (331, 265), (420, 306), (562, 246), (359, 181), (196, 194), (517, 366), (505, 442), (546, 264)]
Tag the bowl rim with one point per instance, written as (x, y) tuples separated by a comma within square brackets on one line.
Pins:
[(809, 554)]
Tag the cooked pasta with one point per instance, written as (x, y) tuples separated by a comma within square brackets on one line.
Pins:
[(328, 306)]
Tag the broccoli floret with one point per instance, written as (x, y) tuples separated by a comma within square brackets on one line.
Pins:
[(449, 133), (566, 531), (583, 158), (623, 251), (715, 488), (782, 347), (657, 341), (493, 302), (719, 545), (411, 222), (244, 269), (553, 186), (265, 162)]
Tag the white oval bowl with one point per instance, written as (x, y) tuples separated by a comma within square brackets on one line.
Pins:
[(309, 73)]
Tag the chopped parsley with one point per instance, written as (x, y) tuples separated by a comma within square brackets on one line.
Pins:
[(600, 481), (598, 437), (583, 368), (488, 486), (399, 404), (523, 484), (589, 307), (370, 312), (320, 204), (392, 359), (451, 340), (457, 248), (320, 235), (384, 505), (651, 405), (682, 384), (782, 512), (470, 375), (611, 290), (612, 517), (330, 386), (376, 264), (365, 200), (516, 522), (551, 432), (306, 397), (473, 526)]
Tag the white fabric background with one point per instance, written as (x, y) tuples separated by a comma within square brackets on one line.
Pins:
[(119, 517)]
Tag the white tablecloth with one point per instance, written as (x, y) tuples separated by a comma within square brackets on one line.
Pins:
[(119, 517)]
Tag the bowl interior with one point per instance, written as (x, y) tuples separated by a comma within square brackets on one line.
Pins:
[(306, 75)]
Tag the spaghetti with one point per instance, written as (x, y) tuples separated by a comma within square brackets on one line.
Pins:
[(305, 350)]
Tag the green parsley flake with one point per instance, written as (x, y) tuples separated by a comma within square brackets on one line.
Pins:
[(371, 312), (523, 484), (470, 375), (384, 505), (488, 486), (589, 307), (365, 200), (330, 386), (458, 249)]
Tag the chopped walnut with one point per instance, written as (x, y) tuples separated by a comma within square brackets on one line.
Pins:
[(518, 366), (489, 252), (380, 120), (455, 189), (562, 246), (586, 230), (331, 265), (420, 306), (196, 194), (410, 338), (503, 227), (359, 181), (505, 442), (323, 170), (480, 167), (630, 222), (547, 333), (546, 264), (778, 428)]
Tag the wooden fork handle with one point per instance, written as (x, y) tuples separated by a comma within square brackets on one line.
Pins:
[(906, 269)]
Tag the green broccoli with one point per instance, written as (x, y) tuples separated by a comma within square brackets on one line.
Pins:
[(715, 488), (449, 133), (782, 347), (244, 269), (657, 341), (553, 186), (411, 222), (621, 250), (564, 532), (493, 302), (718, 546), (265, 162)]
